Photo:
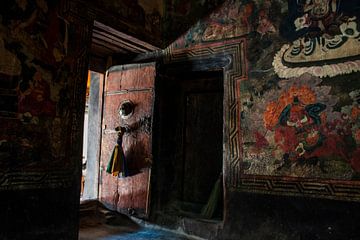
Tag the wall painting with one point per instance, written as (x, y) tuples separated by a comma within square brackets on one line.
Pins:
[(302, 119), (299, 108), (39, 71)]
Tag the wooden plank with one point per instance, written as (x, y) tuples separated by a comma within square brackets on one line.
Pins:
[(143, 107), (131, 79), (129, 194), (124, 36), (110, 39), (111, 47), (132, 192)]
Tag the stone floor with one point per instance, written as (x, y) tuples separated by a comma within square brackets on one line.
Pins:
[(146, 234), (98, 223)]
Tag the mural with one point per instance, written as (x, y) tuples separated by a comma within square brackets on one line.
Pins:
[(324, 32), (299, 105), (299, 118), (305, 127), (36, 76), (235, 18)]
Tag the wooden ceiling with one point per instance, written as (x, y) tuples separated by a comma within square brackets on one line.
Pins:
[(107, 41)]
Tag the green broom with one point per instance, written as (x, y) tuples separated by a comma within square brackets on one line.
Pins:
[(211, 205)]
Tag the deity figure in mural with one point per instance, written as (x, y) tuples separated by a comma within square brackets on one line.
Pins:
[(319, 8), (320, 18), (304, 129), (297, 121), (265, 24), (321, 33), (301, 123)]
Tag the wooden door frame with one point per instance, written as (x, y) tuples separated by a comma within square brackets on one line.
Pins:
[(229, 57), (91, 188), (121, 47)]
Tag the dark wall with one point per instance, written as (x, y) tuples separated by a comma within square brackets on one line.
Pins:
[(39, 214), (179, 16), (267, 217), (43, 69)]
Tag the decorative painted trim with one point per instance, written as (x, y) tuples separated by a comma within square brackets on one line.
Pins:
[(234, 72), (36, 180), (340, 190)]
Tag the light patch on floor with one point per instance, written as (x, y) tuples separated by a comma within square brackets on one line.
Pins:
[(99, 223)]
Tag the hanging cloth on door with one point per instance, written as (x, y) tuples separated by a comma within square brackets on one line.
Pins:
[(117, 163)]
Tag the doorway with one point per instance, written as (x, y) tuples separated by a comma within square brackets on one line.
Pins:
[(92, 136), (109, 47), (190, 144)]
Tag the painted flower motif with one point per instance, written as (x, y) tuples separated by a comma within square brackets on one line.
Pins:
[(349, 29)]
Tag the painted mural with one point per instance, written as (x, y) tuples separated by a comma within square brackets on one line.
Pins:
[(303, 127), (36, 77), (235, 18), (324, 42), (300, 107)]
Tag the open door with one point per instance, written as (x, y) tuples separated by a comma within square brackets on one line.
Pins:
[(130, 88)]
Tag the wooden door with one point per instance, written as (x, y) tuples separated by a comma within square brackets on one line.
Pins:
[(203, 145), (133, 83)]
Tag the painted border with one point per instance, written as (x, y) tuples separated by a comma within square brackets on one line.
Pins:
[(234, 72)]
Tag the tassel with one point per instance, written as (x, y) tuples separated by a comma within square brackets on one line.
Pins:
[(117, 165), (110, 164)]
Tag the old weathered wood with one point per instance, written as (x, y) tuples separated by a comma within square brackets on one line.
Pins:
[(132, 78), (134, 83), (202, 145), (94, 136)]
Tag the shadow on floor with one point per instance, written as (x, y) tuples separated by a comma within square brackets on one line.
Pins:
[(97, 222)]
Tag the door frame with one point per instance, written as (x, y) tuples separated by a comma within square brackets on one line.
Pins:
[(229, 57), (110, 47)]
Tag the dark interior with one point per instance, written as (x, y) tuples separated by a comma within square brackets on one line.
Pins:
[(190, 123), (206, 78)]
